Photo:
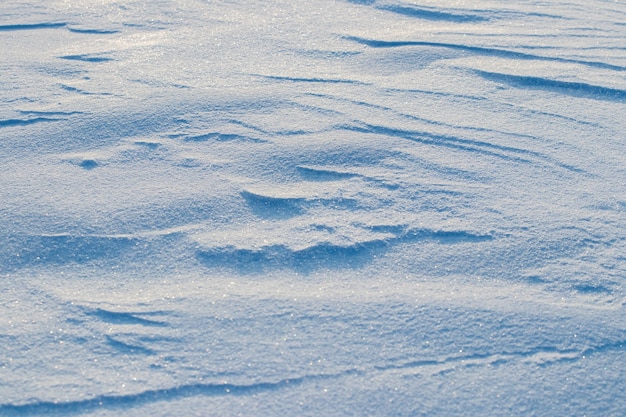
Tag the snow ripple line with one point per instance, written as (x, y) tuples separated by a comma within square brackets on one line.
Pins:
[(32, 26), (125, 318), (309, 80), (543, 356), (85, 58), (93, 31), (112, 402), (433, 14), (562, 87), (414, 117), (26, 122), (489, 149), (55, 25), (501, 53), (325, 254)]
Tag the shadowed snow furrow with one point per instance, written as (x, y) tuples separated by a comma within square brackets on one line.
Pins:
[(541, 356), (125, 318), (126, 332), (573, 89), (26, 122), (309, 80), (273, 207), (124, 402), (86, 58), (325, 254), (93, 31), (412, 117), (453, 15), (320, 256), (285, 207), (49, 113), (88, 164), (488, 149), (83, 92), (315, 174), (619, 345), (32, 26), (592, 289), (127, 348), (428, 13), (484, 359), (477, 50), (221, 137)]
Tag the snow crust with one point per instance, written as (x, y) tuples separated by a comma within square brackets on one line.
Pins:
[(312, 208)]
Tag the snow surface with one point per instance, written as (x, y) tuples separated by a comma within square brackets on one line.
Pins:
[(382, 207)]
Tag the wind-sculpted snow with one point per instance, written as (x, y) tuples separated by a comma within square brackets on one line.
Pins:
[(326, 254), (85, 58), (124, 318), (92, 31), (23, 122), (29, 251), (121, 402), (359, 207), (480, 51), (32, 26), (438, 344), (568, 88), (433, 14)]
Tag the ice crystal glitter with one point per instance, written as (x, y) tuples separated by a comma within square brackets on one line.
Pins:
[(343, 207)]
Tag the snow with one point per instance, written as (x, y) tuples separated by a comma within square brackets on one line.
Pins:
[(312, 208)]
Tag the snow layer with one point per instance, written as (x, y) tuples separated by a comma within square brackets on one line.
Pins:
[(312, 208)]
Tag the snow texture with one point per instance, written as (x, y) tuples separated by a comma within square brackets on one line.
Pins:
[(338, 207)]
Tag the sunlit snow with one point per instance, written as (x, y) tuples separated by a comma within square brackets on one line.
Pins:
[(335, 207)]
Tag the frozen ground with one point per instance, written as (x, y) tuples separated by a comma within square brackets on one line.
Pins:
[(312, 208)]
